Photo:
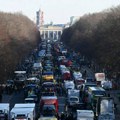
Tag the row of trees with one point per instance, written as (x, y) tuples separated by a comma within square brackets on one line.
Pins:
[(97, 36), (18, 37)]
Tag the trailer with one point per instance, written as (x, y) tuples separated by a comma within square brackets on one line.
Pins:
[(99, 77)]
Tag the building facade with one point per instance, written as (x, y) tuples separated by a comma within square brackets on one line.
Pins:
[(51, 32)]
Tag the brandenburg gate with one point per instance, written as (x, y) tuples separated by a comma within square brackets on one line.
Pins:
[(51, 32)]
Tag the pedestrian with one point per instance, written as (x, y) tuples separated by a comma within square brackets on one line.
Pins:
[(119, 97), (62, 116), (71, 116), (57, 116), (108, 94), (115, 106)]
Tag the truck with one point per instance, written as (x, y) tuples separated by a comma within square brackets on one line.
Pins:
[(103, 81), (77, 75), (99, 77), (48, 112), (49, 100), (4, 111), (105, 108), (93, 94), (74, 100), (23, 111), (69, 85), (85, 115), (106, 84)]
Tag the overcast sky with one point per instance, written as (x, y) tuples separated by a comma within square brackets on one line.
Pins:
[(58, 11)]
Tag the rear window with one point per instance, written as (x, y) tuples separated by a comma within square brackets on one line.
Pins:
[(73, 99), (48, 73), (48, 94), (99, 93)]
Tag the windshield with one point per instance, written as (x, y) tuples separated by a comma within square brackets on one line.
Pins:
[(48, 110), (79, 82), (90, 85), (48, 94), (32, 96), (99, 93)]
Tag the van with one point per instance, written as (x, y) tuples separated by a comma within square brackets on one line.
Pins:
[(4, 111), (105, 108), (94, 93), (69, 85), (23, 111)]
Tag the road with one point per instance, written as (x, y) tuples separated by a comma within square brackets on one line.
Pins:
[(18, 97)]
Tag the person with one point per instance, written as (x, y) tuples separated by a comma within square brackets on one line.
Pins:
[(62, 116), (119, 97), (57, 116), (115, 106), (71, 116), (85, 73)]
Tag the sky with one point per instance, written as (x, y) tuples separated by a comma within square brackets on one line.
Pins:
[(57, 11)]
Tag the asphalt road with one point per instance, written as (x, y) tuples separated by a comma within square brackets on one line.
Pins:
[(18, 97)]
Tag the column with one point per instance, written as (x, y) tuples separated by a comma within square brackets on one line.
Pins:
[(57, 35), (53, 35), (48, 35), (44, 35)]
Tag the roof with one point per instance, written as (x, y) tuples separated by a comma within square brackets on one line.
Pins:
[(20, 72), (4, 106), (24, 105), (86, 113), (49, 102), (37, 65), (47, 118), (96, 88), (29, 99), (33, 78), (21, 110)]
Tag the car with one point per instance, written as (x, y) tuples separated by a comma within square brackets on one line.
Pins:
[(48, 75), (10, 83), (34, 97)]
